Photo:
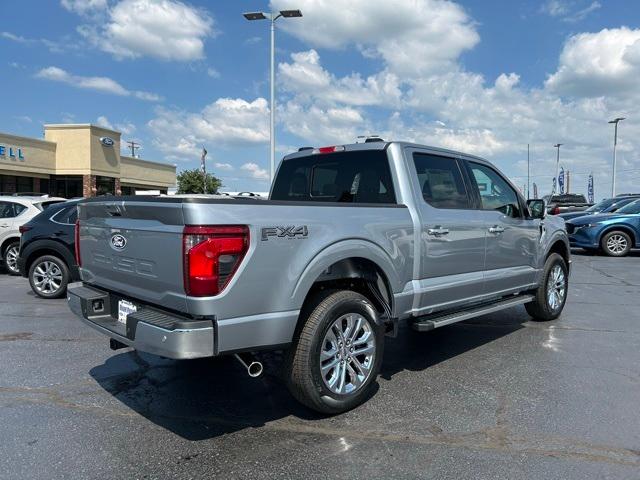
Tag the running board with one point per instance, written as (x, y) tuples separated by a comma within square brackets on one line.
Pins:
[(447, 319)]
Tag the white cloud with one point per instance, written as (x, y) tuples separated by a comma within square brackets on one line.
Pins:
[(213, 73), (225, 122), (564, 10), (104, 122), (306, 76), (255, 171), (411, 36), (83, 7), (163, 29), (596, 64), (227, 167), (16, 38), (99, 84)]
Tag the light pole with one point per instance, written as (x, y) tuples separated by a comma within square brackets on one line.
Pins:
[(272, 17), (557, 146), (615, 121)]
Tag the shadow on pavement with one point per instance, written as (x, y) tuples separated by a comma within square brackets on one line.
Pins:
[(205, 398)]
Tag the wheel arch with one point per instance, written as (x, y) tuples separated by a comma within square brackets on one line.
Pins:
[(6, 242), (49, 247), (352, 265), (560, 247), (621, 228)]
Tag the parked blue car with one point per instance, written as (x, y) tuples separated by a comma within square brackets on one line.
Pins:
[(615, 233), (608, 205)]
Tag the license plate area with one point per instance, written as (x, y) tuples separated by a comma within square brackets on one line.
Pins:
[(125, 308)]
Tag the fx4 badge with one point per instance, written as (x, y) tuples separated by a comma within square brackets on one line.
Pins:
[(285, 232)]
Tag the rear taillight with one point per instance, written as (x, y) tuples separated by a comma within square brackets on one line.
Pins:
[(76, 237), (24, 228), (555, 211), (332, 149), (211, 257)]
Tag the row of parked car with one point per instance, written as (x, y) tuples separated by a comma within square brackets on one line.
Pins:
[(37, 241), (611, 226)]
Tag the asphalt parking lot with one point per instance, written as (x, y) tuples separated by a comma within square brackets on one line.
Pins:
[(495, 397)]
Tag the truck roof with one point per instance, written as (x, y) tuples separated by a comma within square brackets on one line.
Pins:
[(380, 145)]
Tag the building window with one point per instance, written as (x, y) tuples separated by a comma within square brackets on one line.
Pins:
[(67, 187), (105, 186), (128, 190), (44, 185), (24, 184)]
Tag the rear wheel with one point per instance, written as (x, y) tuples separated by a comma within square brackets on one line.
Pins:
[(551, 294), (10, 256), (616, 244), (49, 276), (333, 363)]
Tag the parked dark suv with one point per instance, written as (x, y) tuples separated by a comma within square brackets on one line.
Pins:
[(47, 250)]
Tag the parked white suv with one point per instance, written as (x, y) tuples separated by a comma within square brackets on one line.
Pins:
[(15, 211)]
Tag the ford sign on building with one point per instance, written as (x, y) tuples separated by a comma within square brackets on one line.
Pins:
[(78, 160)]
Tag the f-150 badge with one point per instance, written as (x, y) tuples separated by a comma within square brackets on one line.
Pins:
[(285, 232)]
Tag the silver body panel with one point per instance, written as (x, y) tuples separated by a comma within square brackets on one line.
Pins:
[(261, 304)]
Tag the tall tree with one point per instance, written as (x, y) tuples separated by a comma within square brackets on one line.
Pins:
[(191, 181)]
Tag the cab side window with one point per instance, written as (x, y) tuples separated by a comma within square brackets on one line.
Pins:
[(441, 181), (495, 193)]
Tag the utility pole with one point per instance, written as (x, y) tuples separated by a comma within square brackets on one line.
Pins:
[(133, 146), (528, 172), (568, 181), (557, 146), (615, 121)]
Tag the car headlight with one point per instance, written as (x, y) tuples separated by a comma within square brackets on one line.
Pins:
[(586, 225)]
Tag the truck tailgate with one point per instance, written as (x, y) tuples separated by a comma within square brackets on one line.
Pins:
[(134, 248)]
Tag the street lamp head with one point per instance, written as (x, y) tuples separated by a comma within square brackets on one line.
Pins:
[(558, 145), (290, 13), (616, 120), (254, 16)]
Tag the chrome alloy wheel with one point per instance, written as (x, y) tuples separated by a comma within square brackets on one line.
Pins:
[(616, 244), (556, 287), (347, 353), (47, 277), (11, 258)]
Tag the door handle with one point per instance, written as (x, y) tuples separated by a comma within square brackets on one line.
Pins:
[(496, 229), (438, 231), (4, 225)]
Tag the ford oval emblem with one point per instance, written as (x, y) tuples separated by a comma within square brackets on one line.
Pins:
[(107, 141), (118, 242)]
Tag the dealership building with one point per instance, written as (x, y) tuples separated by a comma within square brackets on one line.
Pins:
[(77, 160)]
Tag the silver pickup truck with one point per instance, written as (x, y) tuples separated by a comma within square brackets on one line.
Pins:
[(353, 239)]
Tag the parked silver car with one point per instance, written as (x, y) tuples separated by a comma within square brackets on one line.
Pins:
[(353, 239)]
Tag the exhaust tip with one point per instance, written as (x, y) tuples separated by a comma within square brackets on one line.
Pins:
[(255, 369), (248, 361)]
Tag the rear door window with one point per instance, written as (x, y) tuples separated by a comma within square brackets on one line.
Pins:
[(441, 181), (10, 209), (343, 177)]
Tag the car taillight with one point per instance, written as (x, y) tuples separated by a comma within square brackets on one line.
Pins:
[(76, 237), (331, 149), (24, 228), (555, 211), (211, 256)]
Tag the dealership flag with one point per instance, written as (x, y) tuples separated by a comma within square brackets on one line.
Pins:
[(535, 190), (554, 186), (561, 180), (590, 188)]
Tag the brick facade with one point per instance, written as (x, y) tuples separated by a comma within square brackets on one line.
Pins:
[(89, 186)]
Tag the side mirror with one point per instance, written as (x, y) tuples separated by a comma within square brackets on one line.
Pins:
[(537, 208)]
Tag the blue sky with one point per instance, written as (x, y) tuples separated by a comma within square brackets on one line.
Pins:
[(484, 77)]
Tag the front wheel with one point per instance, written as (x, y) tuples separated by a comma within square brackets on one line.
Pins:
[(335, 359), (551, 294), (11, 258)]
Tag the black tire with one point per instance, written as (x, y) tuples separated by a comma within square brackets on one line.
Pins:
[(11, 266), (36, 274), (303, 366), (540, 308), (616, 244)]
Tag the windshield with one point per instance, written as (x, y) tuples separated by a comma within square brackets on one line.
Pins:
[(601, 205), (633, 207)]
